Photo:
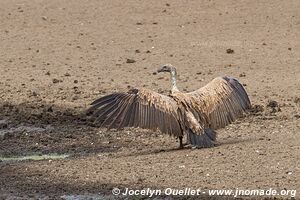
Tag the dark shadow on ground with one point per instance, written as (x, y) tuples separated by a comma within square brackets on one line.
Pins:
[(235, 141), (18, 182), (62, 130), (41, 113), (40, 128)]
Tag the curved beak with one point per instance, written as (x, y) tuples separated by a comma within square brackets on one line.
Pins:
[(159, 70)]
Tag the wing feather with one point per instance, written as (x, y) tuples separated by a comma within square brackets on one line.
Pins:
[(137, 108), (222, 100), (122, 117)]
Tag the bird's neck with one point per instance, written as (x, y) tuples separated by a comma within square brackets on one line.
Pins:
[(173, 82)]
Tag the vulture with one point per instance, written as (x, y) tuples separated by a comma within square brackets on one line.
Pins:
[(195, 114)]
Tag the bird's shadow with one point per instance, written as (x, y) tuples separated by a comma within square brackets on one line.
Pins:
[(72, 133), (226, 142), (219, 144)]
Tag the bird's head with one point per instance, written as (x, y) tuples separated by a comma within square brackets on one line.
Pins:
[(167, 68)]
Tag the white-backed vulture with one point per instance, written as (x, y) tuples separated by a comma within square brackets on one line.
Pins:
[(197, 114)]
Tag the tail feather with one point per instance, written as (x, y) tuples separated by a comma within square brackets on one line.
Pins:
[(204, 140)]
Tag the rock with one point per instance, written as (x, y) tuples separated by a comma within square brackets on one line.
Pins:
[(273, 106), (129, 60), (242, 74), (229, 51), (34, 94), (55, 80), (74, 98)]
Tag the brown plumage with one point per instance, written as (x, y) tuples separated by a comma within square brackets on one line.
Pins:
[(196, 114)]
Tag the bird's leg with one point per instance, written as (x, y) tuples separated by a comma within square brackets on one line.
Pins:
[(180, 142)]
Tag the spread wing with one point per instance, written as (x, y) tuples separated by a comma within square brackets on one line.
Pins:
[(137, 108), (222, 101)]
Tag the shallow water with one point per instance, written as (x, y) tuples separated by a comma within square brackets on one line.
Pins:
[(34, 157)]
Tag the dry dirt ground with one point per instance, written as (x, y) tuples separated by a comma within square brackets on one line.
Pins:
[(57, 56)]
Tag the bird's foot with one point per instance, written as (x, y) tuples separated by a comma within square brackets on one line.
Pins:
[(181, 146)]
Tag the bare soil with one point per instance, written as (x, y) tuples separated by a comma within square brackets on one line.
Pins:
[(58, 56)]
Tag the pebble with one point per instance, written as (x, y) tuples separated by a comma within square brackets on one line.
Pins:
[(129, 60), (56, 80), (229, 51), (242, 74)]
